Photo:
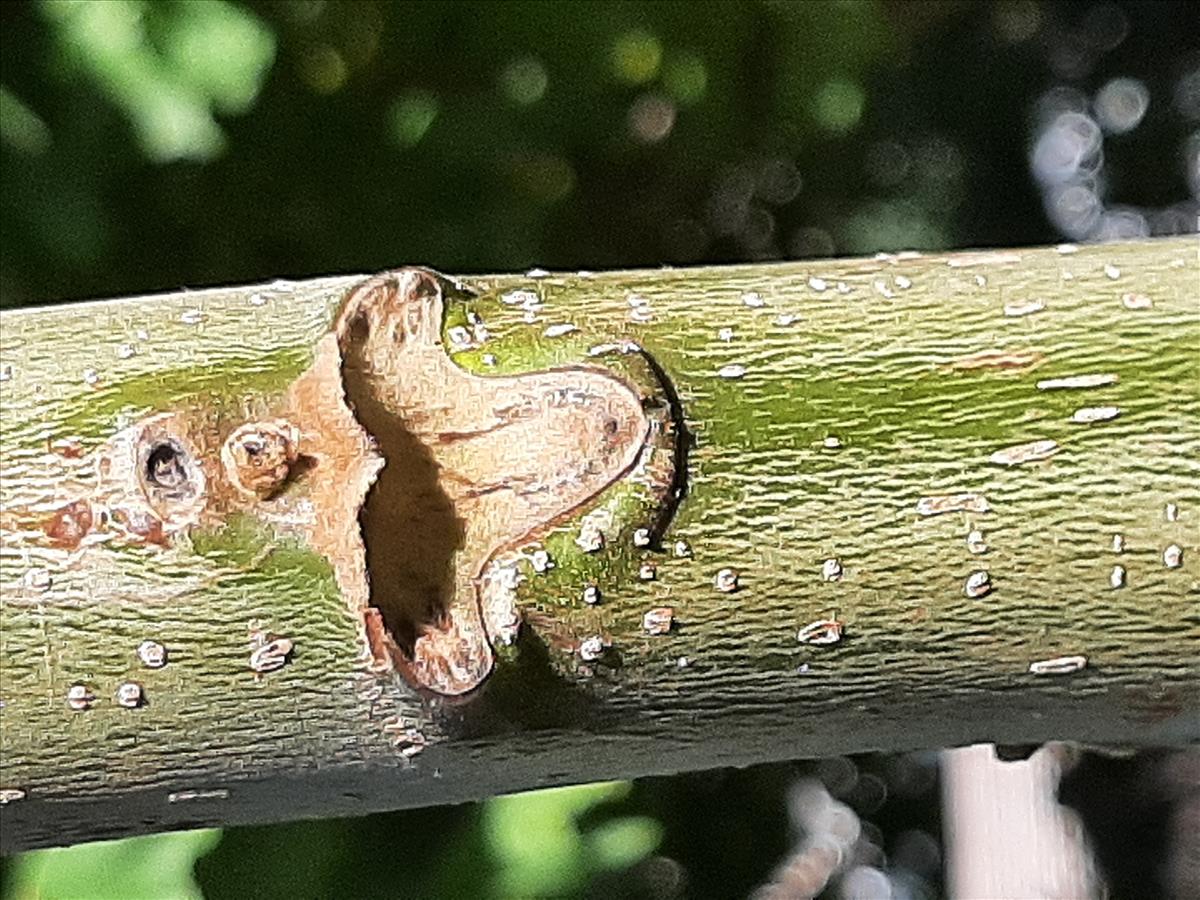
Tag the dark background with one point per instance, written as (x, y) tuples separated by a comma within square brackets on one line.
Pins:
[(148, 146), (354, 136)]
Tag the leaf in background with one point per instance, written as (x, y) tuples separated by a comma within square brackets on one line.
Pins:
[(214, 58), (542, 851), (158, 867)]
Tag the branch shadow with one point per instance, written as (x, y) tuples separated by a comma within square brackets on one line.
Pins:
[(410, 527)]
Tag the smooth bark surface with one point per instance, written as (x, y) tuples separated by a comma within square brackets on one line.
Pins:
[(838, 407)]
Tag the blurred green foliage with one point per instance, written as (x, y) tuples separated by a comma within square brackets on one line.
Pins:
[(150, 868), (538, 844), (169, 68), (149, 145)]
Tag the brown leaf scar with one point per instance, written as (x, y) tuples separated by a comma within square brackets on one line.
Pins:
[(473, 466)]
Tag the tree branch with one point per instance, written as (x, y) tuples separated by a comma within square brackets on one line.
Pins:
[(970, 463)]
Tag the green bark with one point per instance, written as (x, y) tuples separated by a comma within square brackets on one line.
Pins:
[(868, 386)]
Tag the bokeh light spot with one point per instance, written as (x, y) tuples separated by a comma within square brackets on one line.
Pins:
[(837, 106), (324, 69), (866, 881), (1017, 20), (729, 203), (1120, 223), (651, 118), (1074, 208), (546, 178), (1072, 144), (779, 181), (1057, 100), (686, 79), (1187, 96), (1104, 26), (940, 170), (1121, 104), (636, 56), (410, 117), (524, 81), (757, 231)]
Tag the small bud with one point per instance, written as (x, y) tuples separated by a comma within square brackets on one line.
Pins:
[(259, 455)]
